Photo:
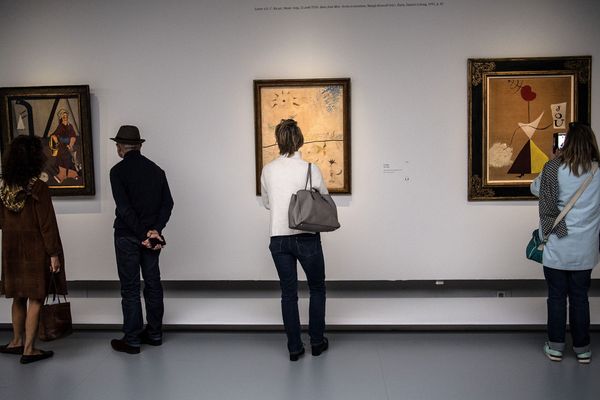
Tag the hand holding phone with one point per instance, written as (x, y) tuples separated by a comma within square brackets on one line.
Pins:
[(558, 141)]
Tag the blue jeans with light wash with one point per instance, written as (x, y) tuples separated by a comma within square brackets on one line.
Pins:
[(131, 258), (574, 286), (286, 251)]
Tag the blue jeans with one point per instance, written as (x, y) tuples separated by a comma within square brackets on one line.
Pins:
[(131, 256), (306, 248), (574, 286)]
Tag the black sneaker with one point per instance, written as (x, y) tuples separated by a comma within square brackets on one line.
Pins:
[(317, 349), (124, 347)]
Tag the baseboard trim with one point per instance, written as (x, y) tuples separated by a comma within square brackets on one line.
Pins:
[(330, 328)]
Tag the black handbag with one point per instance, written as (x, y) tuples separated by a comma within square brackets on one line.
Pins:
[(55, 319), (312, 211)]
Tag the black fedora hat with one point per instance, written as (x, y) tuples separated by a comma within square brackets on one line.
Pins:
[(128, 134)]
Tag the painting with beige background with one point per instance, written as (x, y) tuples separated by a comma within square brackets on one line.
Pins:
[(523, 113), (321, 109)]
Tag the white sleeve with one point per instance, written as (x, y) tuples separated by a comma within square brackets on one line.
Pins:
[(263, 190), (317, 178)]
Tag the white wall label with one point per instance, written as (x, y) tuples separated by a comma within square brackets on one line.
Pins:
[(398, 169)]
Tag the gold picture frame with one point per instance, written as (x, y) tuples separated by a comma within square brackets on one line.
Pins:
[(515, 107)]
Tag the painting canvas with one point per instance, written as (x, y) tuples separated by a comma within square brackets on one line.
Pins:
[(515, 108), (524, 113), (60, 116), (322, 108)]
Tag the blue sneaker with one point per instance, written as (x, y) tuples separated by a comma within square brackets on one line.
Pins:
[(585, 357), (554, 355)]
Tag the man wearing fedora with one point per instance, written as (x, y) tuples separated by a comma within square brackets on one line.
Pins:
[(143, 207)]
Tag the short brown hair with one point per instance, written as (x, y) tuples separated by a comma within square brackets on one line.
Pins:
[(289, 137), (580, 148)]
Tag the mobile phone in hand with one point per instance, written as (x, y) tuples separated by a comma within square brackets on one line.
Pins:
[(558, 141)]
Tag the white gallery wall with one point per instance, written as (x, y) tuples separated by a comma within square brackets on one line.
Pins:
[(183, 70)]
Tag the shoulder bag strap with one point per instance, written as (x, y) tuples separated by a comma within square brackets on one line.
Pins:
[(308, 179), (572, 201)]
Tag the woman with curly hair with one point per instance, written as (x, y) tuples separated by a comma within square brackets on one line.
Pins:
[(31, 247)]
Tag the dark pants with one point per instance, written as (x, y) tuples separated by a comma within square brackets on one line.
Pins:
[(306, 248), (573, 285), (131, 256)]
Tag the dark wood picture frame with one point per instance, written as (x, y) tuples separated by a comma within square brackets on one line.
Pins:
[(331, 93), (61, 117), (497, 89)]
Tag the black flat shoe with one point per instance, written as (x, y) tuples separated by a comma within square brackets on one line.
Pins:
[(4, 349), (317, 349), (36, 357), (296, 355), (123, 347)]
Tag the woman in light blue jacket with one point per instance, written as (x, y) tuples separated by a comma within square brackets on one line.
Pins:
[(572, 249)]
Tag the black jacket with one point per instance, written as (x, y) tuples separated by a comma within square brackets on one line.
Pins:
[(141, 194)]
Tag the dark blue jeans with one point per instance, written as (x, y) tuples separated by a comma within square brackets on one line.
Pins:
[(574, 286), (306, 248), (131, 257)]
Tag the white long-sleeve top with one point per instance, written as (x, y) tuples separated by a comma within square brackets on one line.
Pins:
[(280, 179)]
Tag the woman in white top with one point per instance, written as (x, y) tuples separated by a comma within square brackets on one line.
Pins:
[(572, 248), (279, 180)]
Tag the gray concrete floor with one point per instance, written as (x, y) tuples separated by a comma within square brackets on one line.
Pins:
[(359, 365)]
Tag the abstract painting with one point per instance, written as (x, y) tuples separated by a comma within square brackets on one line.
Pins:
[(321, 107), (515, 108)]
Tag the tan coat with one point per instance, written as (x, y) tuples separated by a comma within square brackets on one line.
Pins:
[(29, 238)]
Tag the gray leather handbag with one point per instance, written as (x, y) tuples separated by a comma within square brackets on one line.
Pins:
[(312, 211)]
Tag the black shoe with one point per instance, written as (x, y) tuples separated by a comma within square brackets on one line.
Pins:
[(145, 339), (4, 349), (317, 349), (294, 356), (122, 346), (36, 357)]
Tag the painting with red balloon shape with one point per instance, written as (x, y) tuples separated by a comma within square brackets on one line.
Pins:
[(516, 107)]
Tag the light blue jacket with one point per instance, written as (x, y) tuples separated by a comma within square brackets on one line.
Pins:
[(579, 249)]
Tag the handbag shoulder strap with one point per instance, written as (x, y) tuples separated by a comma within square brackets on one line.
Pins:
[(308, 179), (572, 201)]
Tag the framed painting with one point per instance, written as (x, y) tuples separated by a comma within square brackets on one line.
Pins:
[(60, 117), (321, 107), (516, 106)]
